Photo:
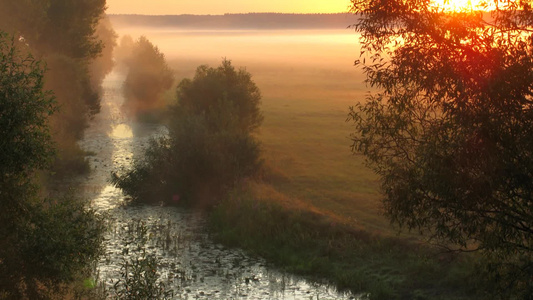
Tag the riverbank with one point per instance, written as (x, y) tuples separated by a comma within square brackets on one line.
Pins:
[(304, 240)]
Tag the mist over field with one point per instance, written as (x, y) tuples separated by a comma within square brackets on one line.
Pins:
[(317, 57)]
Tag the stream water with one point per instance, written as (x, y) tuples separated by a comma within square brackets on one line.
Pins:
[(191, 264)]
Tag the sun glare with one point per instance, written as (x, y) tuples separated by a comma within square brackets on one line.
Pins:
[(467, 5), (456, 5)]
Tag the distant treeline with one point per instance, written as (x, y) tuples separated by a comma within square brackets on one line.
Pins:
[(239, 21)]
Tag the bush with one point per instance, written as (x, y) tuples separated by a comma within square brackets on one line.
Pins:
[(226, 89), (207, 151), (192, 166)]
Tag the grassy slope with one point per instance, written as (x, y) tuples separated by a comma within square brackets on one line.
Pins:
[(306, 141)]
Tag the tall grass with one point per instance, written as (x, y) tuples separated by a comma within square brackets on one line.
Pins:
[(307, 241)]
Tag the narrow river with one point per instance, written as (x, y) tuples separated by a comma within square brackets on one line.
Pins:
[(191, 264)]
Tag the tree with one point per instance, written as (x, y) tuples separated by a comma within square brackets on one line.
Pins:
[(450, 126), (64, 27), (43, 242), (104, 63), (74, 40), (25, 145), (211, 87), (148, 77), (210, 146)]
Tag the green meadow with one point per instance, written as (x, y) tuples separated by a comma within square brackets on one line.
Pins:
[(307, 146)]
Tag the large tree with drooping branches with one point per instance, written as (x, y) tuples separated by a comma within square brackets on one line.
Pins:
[(449, 125)]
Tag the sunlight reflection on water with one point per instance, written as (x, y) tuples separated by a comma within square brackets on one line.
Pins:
[(122, 131), (108, 199)]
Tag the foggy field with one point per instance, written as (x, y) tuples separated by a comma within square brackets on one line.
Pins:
[(308, 83)]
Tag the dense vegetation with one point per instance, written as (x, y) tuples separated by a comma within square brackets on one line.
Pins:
[(450, 129), (209, 147), (48, 240), (75, 41), (44, 242)]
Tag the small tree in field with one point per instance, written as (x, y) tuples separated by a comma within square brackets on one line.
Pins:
[(210, 146), (450, 128), (214, 90)]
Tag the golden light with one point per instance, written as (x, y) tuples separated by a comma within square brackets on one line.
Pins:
[(122, 131), (468, 5), (456, 5)]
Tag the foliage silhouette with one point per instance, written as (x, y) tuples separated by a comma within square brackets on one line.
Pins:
[(450, 127), (223, 87), (70, 37)]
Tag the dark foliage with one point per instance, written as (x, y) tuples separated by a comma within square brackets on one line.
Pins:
[(65, 27), (222, 88), (43, 242), (69, 36), (450, 129)]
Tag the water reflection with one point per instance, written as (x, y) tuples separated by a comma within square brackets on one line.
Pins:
[(122, 131), (195, 267), (108, 199)]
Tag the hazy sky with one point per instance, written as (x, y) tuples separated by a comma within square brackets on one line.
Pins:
[(171, 7)]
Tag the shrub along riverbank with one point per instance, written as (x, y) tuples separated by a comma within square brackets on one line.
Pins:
[(210, 146)]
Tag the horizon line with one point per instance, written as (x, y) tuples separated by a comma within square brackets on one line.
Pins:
[(224, 14)]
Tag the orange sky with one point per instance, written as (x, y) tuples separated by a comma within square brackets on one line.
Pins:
[(171, 7)]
